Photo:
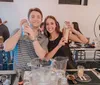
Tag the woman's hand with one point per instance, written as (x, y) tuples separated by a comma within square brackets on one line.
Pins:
[(62, 42), (70, 26)]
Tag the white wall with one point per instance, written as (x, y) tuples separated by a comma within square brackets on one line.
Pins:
[(84, 15)]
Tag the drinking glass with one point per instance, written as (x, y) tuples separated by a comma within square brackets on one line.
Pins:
[(80, 70)]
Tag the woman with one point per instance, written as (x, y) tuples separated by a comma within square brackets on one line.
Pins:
[(57, 45), (34, 45)]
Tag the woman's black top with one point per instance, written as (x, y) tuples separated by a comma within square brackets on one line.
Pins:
[(63, 51)]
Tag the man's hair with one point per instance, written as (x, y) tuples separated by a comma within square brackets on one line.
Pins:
[(35, 9)]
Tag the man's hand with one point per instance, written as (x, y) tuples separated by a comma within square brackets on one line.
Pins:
[(22, 22), (31, 33)]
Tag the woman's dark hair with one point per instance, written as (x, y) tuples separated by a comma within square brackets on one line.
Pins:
[(56, 22), (41, 24), (35, 9), (76, 26)]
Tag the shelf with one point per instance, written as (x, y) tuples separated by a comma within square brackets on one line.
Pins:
[(8, 72)]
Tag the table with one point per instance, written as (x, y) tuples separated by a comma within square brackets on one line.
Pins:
[(95, 78), (28, 75)]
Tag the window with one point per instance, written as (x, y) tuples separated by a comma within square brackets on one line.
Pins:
[(6, 0), (74, 2)]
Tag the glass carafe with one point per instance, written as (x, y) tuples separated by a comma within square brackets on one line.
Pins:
[(42, 73), (60, 65)]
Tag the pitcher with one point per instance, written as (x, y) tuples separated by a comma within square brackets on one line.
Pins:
[(60, 65), (42, 73)]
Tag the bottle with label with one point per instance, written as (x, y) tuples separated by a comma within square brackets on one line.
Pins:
[(25, 35), (93, 43), (23, 26), (1, 42), (1, 60), (10, 63), (20, 80), (5, 61), (65, 31)]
